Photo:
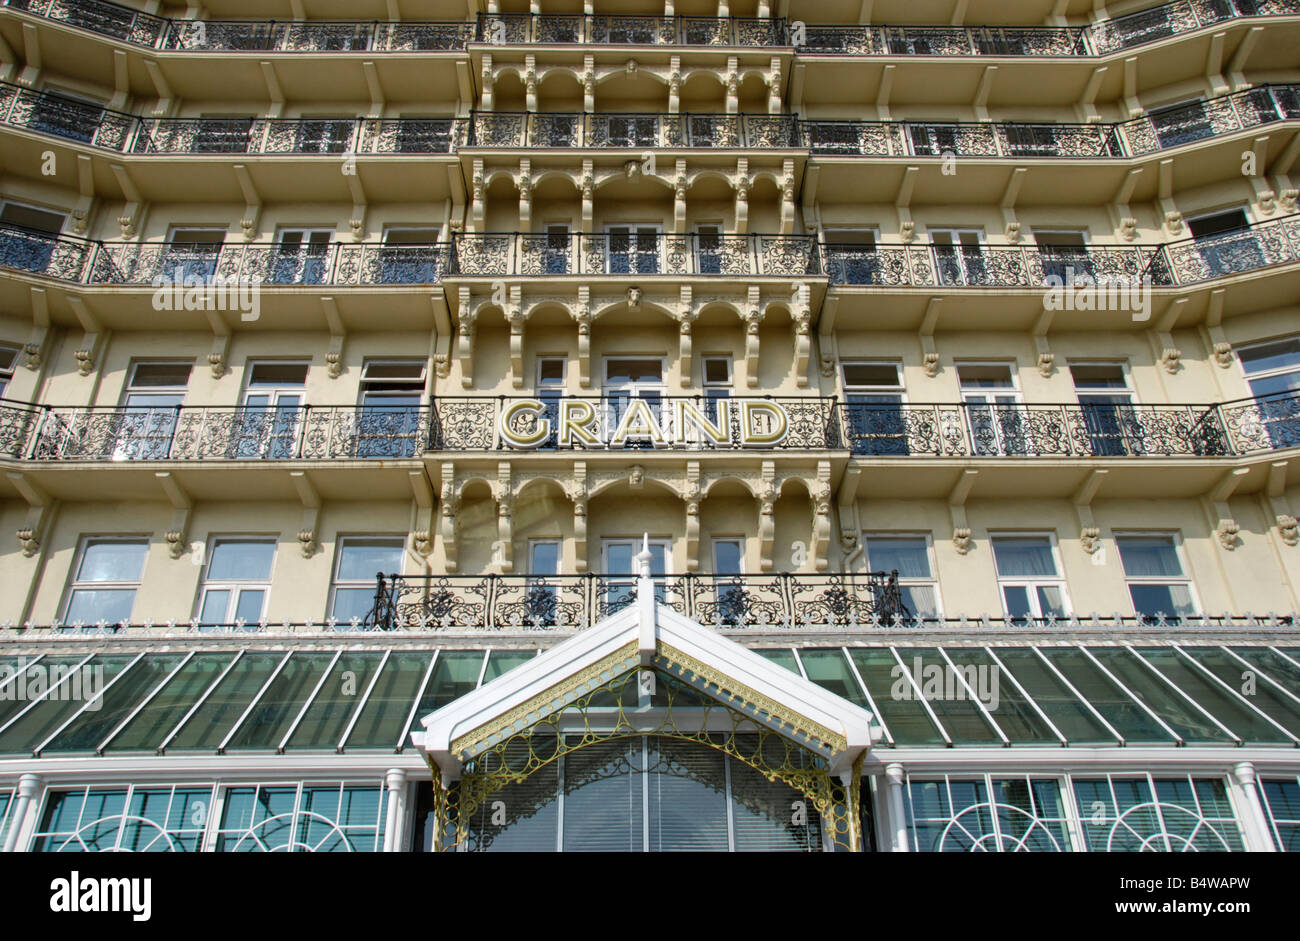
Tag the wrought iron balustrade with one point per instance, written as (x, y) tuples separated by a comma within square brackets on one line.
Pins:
[(567, 29), (876, 429), (66, 118), (45, 253), (469, 423), (631, 130), (559, 602), (230, 263), (261, 36), (299, 135), (634, 252), (1263, 423), (220, 433)]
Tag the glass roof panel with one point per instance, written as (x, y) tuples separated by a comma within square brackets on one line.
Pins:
[(152, 724), (782, 656), (1008, 706), (330, 712), (1071, 717), (17, 694), (213, 720), (907, 719), (831, 671), (279, 706), (61, 703), (90, 728), (385, 712), (1278, 667), (1262, 694), (1164, 702), (1249, 725), (1126, 716), (947, 697), (454, 675)]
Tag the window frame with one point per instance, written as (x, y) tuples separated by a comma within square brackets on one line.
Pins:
[(1185, 578), (341, 543), (236, 587), (1030, 582), (7, 373), (931, 582), (75, 584)]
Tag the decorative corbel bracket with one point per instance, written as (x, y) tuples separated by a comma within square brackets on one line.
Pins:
[(742, 183), (182, 509), (583, 315), (87, 353), (34, 348), (40, 507), (131, 219), (903, 202), (86, 200), (1089, 532), (253, 202), (1046, 358), (579, 496), (961, 533), (1220, 347), (515, 317), (787, 196), (753, 318), (311, 504), (1225, 526), (692, 496), (503, 556), (338, 337), (801, 308), (1008, 204), (449, 502), (930, 352), (845, 500), (1275, 493), (466, 315), (680, 181), (422, 527), (821, 495), (1170, 354), (687, 312)]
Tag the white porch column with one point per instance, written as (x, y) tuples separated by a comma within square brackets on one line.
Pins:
[(29, 786), (1258, 836), (894, 775), (395, 822)]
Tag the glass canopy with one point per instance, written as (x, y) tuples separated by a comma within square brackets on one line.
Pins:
[(370, 700)]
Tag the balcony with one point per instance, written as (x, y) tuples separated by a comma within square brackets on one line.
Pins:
[(1109, 430), (1214, 117), (714, 131), (560, 29), (634, 253), (155, 264), (456, 602), (261, 36), (217, 433), (188, 433), (647, 422), (1173, 264)]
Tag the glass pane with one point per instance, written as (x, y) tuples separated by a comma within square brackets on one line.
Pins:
[(1071, 717), (92, 726), (107, 604), (234, 561), (779, 655), (545, 558), (217, 716), (907, 554), (1024, 556), (1169, 600), (152, 724), (1124, 715), (1050, 600), (503, 661), (362, 559), (113, 561), (688, 797), (454, 675), (726, 557), (531, 819), (604, 794), (275, 712), (327, 717), (1281, 354), (1179, 716), (763, 814), (894, 697), (249, 609), (1008, 706), (921, 600), (1259, 691), (385, 712), (830, 670), (1247, 724), (950, 701), (352, 603), (216, 602), (1149, 556), (1016, 599), (81, 687)]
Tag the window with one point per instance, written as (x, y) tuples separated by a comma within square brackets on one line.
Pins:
[(633, 249), (877, 419), (541, 599), (28, 236), (391, 420), (150, 408), (987, 814), (222, 134), (619, 581), (1065, 256), (358, 560), (105, 580), (709, 249), (909, 555), (410, 255), (272, 413), (1145, 813), (1273, 371), (302, 256), (716, 374), (851, 256), (1282, 805), (550, 389), (1181, 123), (8, 360), (66, 115), (325, 134), (996, 417), (556, 247), (959, 256), (1028, 577), (310, 817), (191, 253), (629, 130), (1106, 401), (236, 580), (1154, 572), (1225, 242), (628, 379)]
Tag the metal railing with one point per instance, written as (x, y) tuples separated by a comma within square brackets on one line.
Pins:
[(1237, 428), (262, 36), (648, 130), (643, 252), (634, 253), (469, 423), (215, 433), (1172, 264), (459, 602), (1150, 133)]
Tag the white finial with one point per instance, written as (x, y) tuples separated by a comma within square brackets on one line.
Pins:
[(644, 558)]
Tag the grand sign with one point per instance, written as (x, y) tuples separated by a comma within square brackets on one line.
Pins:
[(526, 424)]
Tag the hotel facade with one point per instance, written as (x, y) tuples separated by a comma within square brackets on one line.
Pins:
[(637, 425)]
